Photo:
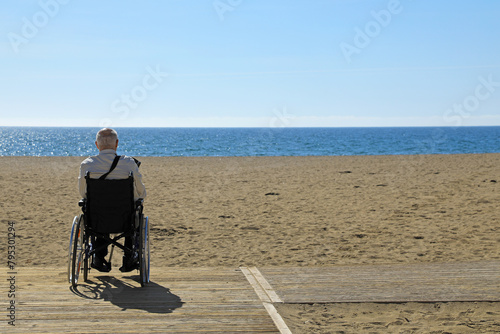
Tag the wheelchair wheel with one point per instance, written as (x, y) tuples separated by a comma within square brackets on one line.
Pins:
[(144, 256), (78, 250), (70, 251)]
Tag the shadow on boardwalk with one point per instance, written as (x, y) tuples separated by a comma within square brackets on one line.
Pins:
[(153, 298)]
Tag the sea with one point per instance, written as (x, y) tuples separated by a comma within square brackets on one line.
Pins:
[(218, 142)]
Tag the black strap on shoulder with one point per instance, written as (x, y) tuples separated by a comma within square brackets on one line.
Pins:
[(113, 165)]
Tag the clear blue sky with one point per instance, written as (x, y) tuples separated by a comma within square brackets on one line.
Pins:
[(249, 63)]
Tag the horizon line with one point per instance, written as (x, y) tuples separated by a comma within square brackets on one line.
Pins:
[(250, 127)]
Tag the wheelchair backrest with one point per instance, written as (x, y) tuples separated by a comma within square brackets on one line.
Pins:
[(110, 204)]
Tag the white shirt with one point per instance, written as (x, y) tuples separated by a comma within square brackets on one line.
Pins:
[(100, 164)]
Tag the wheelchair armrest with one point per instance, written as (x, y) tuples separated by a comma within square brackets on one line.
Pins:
[(82, 202)]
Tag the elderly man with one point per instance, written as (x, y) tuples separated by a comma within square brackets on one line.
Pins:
[(107, 143)]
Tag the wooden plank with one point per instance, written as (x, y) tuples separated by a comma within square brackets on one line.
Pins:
[(278, 320), (267, 295), (180, 300), (261, 293), (273, 296), (419, 282)]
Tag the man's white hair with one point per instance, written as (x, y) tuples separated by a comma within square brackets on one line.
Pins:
[(106, 138)]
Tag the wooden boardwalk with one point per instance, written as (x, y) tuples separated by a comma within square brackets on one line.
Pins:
[(227, 300), (398, 283), (198, 300)]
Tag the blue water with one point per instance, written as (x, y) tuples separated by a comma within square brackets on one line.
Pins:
[(39, 141)]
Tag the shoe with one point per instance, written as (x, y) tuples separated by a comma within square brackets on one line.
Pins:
[(100, 265), (129, 264)]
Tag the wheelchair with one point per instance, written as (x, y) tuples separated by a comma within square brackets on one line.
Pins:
[(110, 213)]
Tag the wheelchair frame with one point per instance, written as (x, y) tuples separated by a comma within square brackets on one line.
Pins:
[(82, 250)]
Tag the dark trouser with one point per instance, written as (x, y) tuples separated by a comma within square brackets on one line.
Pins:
[(101, 253)]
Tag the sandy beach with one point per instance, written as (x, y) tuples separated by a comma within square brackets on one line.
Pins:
[(290, 211)]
